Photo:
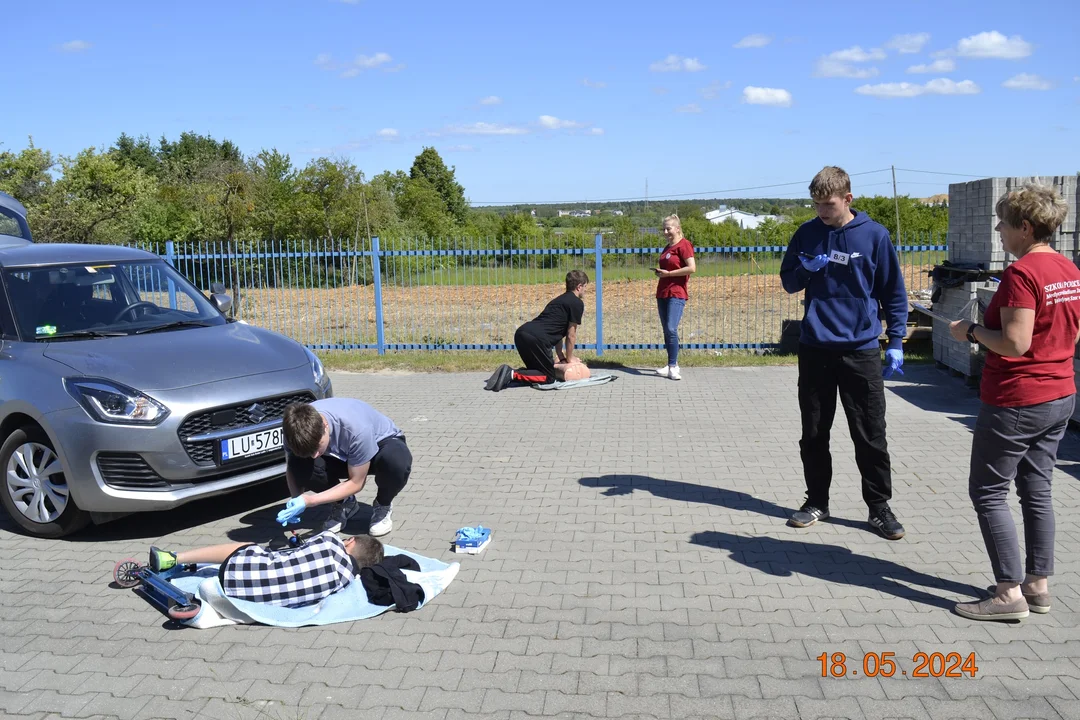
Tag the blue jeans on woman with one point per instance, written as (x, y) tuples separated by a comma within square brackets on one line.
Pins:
[(671, 310)]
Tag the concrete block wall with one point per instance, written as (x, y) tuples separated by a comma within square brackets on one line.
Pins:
[(961, 302), (971, 235)]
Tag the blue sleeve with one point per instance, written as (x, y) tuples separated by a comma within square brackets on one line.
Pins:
[(793, 275), (890, 292)]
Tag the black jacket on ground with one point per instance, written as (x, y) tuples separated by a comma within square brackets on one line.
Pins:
[(386, 584)]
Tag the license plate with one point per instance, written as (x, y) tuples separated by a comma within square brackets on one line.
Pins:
[(252, 444)]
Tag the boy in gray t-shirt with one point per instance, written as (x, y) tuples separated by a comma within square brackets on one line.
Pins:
[(331, 447)]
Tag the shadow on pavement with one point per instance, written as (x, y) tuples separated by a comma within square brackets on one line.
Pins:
[(688, 492), (835, 564)]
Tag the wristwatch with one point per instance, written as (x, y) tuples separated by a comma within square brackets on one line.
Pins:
[(971, 333)]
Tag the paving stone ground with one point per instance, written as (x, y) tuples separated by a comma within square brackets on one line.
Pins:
[(640, 567)]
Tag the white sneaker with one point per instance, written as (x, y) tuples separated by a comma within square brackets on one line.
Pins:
[(674, 373), (381, 522), (662, 372), (340, 513)]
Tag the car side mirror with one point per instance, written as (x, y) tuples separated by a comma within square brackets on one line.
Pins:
[(217, 288), (222, 302)]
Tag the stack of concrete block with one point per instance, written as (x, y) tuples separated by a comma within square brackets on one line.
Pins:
[(965, 302), (973, 239)]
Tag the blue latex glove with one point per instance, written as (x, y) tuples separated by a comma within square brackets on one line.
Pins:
[(894, 360), (292, 512), (467, 533), (815, 263)]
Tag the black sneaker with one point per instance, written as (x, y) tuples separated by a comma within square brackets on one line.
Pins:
[(500, 378), (807, 515), (886, 523)]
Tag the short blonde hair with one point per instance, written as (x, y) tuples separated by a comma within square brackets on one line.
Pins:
[(674, 220), (1040, 205), (829, 182)]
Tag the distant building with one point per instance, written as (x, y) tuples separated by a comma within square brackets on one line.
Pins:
[(564, 213), (745, 220), (579, 213), (616, 212), (941, 200)]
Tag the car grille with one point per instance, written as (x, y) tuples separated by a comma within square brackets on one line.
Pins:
[(231, 417), (129, 471)]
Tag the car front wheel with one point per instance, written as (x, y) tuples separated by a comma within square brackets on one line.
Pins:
[(35, 490)]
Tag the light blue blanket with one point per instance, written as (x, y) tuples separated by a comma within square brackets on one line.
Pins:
[(572, 384), (346, 605)]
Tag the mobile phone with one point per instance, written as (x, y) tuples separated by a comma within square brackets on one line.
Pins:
[(807, 255)]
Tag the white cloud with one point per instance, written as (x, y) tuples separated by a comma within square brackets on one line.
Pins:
[(942, 65), (491, 100), (595, 131), (993, 45), (75, 46), (359, 64), (840, 63), (1027, 81), (483, 128), (827, 67), (387, 133), (689, 108), (550, 122), (596, 84), (777, 97), (940, 86), (674, 63), (712, 90), (857, 55), (906, 44), (754, 41)]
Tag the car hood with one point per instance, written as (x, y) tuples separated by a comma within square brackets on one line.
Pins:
[(181, 358)]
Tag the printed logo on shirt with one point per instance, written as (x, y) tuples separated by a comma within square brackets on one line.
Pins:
[(1062, 292), (855, 255)]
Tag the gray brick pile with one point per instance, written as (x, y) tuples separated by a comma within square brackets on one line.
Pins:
[(973, 239)]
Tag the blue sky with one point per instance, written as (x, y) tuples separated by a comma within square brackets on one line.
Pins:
[(568, 101)]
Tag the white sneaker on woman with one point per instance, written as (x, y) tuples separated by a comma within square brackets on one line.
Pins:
[(381, 519), (662, 372), (674, 373)]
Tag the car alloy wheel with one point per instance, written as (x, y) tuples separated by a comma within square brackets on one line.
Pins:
[(36, 484)]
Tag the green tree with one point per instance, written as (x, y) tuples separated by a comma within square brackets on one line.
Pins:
[(430, 166), (25, 175), (423, 209)]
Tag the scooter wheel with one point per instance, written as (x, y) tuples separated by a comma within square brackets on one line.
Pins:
[(125, 573), (185, 612)]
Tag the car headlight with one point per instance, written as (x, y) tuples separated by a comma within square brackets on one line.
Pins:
[(112, 402), (316, 367)]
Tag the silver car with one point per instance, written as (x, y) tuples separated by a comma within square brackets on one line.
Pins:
[(124, 389)]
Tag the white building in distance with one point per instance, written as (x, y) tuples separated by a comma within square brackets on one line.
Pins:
[(745, 220)]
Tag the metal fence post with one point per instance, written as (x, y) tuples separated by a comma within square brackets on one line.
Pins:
[(599, 294), (170, 257), (376, 272)]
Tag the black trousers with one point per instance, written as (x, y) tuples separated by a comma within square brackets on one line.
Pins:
[(857, 375), (391, 467), (535, 353)]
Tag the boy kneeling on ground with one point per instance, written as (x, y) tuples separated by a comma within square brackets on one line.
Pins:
[(291, 577)]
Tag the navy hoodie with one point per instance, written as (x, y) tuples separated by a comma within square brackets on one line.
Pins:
[(842, 301)]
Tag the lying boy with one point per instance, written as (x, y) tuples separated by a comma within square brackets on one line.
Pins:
[(291, 577)]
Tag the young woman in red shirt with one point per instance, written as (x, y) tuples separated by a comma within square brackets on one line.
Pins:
[(1028, 388), (674, 269)]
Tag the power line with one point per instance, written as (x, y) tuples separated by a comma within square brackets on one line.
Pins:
[(668, 197), (934, 172)]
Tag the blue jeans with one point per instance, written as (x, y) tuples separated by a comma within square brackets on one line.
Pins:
[(671, 310)]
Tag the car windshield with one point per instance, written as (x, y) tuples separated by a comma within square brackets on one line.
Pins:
[(9, 224), (87, 301)]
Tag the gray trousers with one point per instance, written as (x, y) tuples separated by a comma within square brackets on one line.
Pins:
[(1021, 444)]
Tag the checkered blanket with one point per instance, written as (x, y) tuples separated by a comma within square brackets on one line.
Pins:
[(291, 577)]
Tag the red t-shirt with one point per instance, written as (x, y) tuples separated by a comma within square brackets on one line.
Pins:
[(1049, 284), (674, 257)]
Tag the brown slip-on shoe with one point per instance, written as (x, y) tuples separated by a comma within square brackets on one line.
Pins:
[(990, 610), (1038, 603)]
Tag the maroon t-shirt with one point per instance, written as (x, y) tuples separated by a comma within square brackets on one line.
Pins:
[(1049, 284), (674, 257)]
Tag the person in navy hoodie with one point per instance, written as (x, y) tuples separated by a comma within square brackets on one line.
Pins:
[(846, 264)]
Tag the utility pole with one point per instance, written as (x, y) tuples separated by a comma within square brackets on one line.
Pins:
[(646, 194), (896, 204)]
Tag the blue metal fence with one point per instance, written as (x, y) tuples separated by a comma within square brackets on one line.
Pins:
[(471, 294)]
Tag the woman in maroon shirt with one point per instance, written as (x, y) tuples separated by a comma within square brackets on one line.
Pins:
[(1028, 389), (675, 267)]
